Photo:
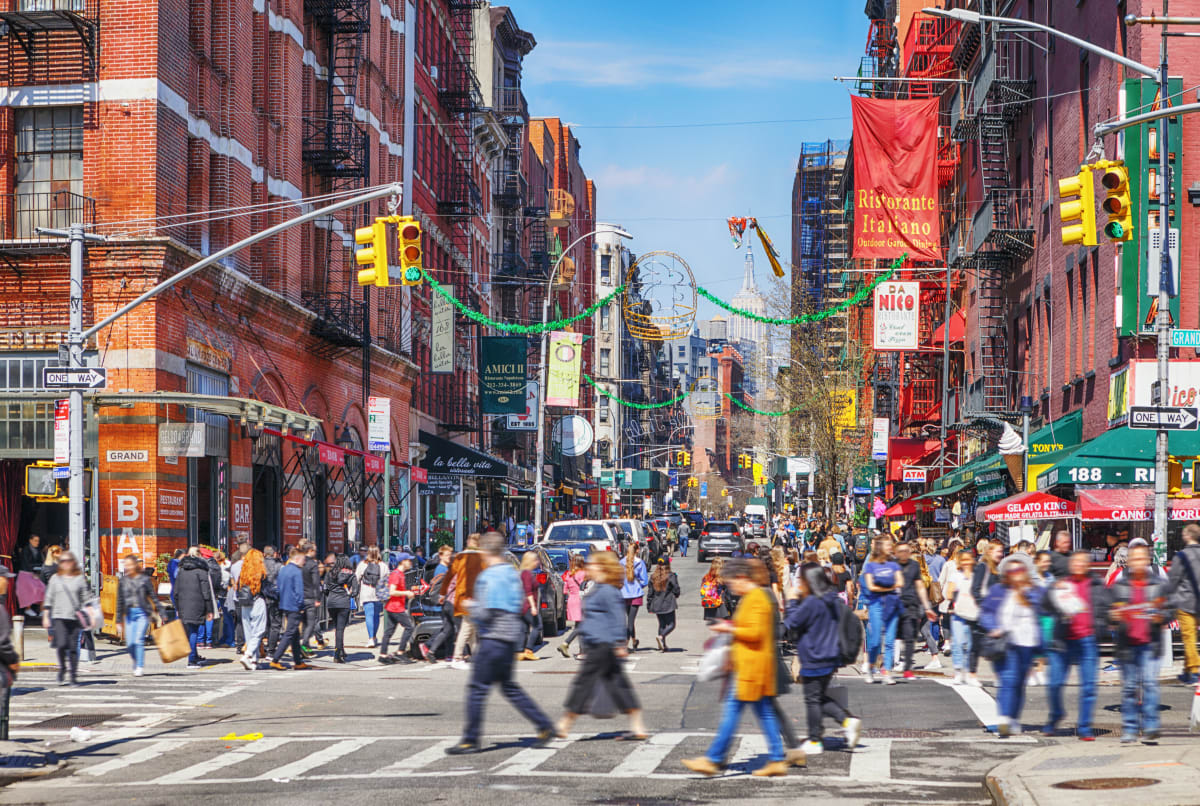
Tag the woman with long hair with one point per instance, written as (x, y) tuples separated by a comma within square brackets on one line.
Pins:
[(663, 600), (881, 583), (712, 591), (1009, 615), (253, 604), (50, 565), (777, 562), (602, 633), (812, 617), (370, 572), (964, 613), (67, 593), (530, 568), (575, 580), (338, 584), (136, 604), (633, 589)]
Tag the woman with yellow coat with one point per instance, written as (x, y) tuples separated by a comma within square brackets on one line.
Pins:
[(752, 681)]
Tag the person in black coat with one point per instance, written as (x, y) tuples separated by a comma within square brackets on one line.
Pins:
[(194, 601), (312, 596), (340, 586), (663, 599)]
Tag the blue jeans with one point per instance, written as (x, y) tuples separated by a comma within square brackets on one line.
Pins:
[(1012, 669), (1139, 675), (136, 622), (881, 634), (1081, 652), (960, 643), (683, 544), (206, 632), (732, 715), (228, 627), (491, 665), (194, 632), (371, 613)]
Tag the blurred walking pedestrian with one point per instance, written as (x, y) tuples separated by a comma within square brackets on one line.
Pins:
[(881, 584), (575, 580), (136, 605), (752, 680), (292, 603), (633, 589), (531, 613), (249, 581), (1076, 603), (311, 613), (964, 612), (603, 637), (1010, 615), (395, 611), (340, 586), (712, 592), (1139, 608), (496, 612), (445, 555), (464, 570), (369, 572), (10, 661), (1186, 592), (662, 600), (66, 595), (194, 601)]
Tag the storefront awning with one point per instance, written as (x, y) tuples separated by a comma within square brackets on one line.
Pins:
[(957, 329), (1126, 504), (905, 451), (951, 490), (901, 509), (452, 459), (1027, 506), (1122, 456), (240, 409)]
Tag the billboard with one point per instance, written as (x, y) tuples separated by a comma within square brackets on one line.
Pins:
[(502, 374)]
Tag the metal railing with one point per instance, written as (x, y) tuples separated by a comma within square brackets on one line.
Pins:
[(23, 213)]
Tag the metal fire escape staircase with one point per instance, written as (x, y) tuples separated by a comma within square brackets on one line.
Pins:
[(1000, 233), (335, 148)]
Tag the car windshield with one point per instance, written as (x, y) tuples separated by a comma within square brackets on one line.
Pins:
[(721, 528), (575, 532), (561, 557), (625, 527)]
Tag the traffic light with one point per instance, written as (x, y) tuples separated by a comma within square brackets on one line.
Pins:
[(687, 457), (1120, 216), (1078, 215), (693, 482), (374, 254), (679, 458), (724, 492), (410, 250)]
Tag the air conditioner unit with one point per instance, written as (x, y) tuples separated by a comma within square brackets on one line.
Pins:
[(433, 72)]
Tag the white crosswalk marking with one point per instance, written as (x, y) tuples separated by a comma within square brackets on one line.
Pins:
[(872, 761), (142, 754), (527, 760), (978, 700), (319, 758), (751, 746), (219, 762), (420, 759), (646, 756)]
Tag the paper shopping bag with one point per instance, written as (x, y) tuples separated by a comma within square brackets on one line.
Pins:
[(172, 641)]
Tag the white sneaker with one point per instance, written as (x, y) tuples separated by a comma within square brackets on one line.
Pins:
[(194, 666), (853, 726), (973, 681), (1033, 680), (869, 674), (137, 672), (812, 748), (959, 679), (371, 644), (898, 666), (888, 680), (459, 664), (936, 663), (866, 668), (247, 664)]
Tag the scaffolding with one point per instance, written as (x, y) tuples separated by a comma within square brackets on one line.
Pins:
[(822, 224)]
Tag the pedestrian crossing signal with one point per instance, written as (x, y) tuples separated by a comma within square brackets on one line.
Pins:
[(374, 254), (1116, 204)]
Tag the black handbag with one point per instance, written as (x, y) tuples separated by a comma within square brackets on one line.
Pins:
[(993, 647)]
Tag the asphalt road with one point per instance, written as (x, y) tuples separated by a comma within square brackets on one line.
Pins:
[(355, 733)]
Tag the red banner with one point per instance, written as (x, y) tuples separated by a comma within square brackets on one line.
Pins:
[(895, 179)]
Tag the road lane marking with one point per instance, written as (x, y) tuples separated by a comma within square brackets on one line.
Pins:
[(316, 759), (528, 759), (872, 761), (977, 700), (751, 746), (646, 756), (241, 753), (142, 754), (406, 766)]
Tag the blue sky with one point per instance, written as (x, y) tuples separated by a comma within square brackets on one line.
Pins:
[(607, 67)]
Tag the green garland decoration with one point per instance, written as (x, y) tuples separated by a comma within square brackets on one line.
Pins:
[(508, 327), (861, 295), (753, 410), (630, 403)]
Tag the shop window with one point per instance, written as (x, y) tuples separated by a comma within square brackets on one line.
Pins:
[(208, 480), (49, 168)]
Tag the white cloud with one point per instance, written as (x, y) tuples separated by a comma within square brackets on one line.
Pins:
[(645, 177), (615, 65)]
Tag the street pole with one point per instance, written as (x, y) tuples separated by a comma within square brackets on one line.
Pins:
[(543, 373), (1163, 324)]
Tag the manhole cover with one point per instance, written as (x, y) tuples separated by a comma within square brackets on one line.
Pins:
[(74, 721), (1106, 783), (900, 733)]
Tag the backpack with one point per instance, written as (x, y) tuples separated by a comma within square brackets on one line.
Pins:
[(370, 576), (850, 634), (383, 589), (710, 593), (353, 586), (861, 548)]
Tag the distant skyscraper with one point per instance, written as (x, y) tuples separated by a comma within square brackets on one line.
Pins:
[(743, 331)]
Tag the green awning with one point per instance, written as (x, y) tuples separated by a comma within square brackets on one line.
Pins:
[(1118, 456), (957, 488), (1062, 434), (966, 474)]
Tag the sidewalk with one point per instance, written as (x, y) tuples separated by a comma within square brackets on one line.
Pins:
[(1075, 774)]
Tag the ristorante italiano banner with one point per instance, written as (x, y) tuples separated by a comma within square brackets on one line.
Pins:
[(895, 179)]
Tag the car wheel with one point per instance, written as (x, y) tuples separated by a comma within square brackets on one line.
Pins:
[(700, 556)]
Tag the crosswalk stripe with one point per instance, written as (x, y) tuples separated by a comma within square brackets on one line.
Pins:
[(872, 761), (317, 759), (527, 760), (978, 701), (646, 756), (419, 759), (142, 754), (221, 761), (751, 746)]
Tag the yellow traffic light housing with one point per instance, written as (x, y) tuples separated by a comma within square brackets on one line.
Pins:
[(1078, 215), (1116, 204), (374, 254), (411, 256)]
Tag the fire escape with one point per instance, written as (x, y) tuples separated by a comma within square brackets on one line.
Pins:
[(997, 236), (335, 148), (459, 199)]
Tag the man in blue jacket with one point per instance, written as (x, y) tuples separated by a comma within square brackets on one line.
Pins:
[(496, 612), (290, 583)]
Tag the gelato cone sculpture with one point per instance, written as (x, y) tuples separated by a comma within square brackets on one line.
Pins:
[(1013, 450)]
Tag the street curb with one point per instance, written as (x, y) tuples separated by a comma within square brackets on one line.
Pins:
[(49, 763), (1004, 783)]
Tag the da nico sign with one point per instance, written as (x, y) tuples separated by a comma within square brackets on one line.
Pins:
[(897, 315)]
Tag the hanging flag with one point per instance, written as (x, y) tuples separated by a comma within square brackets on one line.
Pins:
[(769, 248), (895, 179), (566, 352), (502, 375)]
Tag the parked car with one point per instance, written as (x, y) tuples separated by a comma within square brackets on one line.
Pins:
[(553, 599), (674, 517), (718, 537), (640, 532), (757, 525), (600, 535), (694, 519)]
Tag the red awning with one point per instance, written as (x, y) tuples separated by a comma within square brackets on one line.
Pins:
[(1124, 504), (901, 509), (1027, 506), (905, 451), (957, 327)]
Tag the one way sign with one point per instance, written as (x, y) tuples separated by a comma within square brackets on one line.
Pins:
[(1168, 419), (74, 377)]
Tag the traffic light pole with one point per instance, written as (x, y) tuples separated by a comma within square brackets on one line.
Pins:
[(1163, 324)]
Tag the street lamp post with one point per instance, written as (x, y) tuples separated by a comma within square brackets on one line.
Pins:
[(1163, 320), (538, 484)]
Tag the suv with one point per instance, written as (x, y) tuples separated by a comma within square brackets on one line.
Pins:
[(694, 519), (757, 525), (600, 535), (553, 600), (718, 537), (426, 611)]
